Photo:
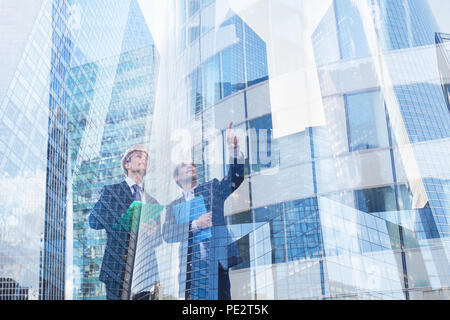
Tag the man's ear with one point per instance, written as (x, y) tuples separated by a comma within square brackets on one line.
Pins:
[(176, 181)]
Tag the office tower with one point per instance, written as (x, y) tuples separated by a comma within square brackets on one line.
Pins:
[(127, 116), (34, 147), (10, 290), (49, 52), (409, 102), (443, 56), (344, 126), (110, 109)]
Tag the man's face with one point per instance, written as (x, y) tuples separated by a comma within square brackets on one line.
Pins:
[(138, 163), (187, 173)]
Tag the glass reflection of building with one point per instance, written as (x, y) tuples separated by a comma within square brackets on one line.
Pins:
[(410, 112), (355, 208), (62, 62), (125, 125), (34, 147), (110, 109), (443, 56)]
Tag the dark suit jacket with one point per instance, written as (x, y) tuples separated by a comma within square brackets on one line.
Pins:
[(214, 194), (113, 203)]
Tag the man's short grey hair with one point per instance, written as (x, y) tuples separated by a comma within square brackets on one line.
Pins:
[(127, 156)]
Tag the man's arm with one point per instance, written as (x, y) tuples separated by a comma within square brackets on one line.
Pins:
[(235, 174), (234, 177)]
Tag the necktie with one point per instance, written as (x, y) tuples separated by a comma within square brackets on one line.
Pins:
[(137, 192)]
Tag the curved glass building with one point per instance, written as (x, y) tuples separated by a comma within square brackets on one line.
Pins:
[(343, 126)]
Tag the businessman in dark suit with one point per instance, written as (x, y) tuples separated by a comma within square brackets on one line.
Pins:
[(205, 253), (107, 214)]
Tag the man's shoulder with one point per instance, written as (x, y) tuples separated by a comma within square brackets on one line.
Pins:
[(115, 187)]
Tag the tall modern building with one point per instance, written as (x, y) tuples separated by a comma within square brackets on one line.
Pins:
[(443, 54), (67, 66), (127, 116), (344, 126), (394, 111), (36, 57), (110, 109)]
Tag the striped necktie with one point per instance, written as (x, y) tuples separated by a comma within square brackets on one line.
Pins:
[(137, 192)]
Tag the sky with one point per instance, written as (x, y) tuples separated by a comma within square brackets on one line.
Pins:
[(441, 11)]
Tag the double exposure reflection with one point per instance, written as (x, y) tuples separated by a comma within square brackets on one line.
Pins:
[(225, 149)]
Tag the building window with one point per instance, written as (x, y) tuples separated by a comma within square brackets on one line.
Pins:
[(196, 98), (212, 84), (366, 120), (376, 200), (352, 38)]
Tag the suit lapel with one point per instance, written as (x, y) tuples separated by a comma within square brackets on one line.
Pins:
[(205, 191), (125, 190)]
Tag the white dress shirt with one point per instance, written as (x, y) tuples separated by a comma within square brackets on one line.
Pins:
[(189, 195)]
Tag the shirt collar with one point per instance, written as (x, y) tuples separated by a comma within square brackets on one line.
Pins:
[(131, 183), (190, 193)]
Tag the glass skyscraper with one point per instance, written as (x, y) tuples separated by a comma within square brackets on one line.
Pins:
[(443, 53), (72, 71), (110, 109), (338, 187), (126, 120), (35, 154), (343, 127)]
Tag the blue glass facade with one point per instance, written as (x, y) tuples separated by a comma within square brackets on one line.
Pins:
[(35, 159), (399, 25), (442, 41), (125, 82)]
